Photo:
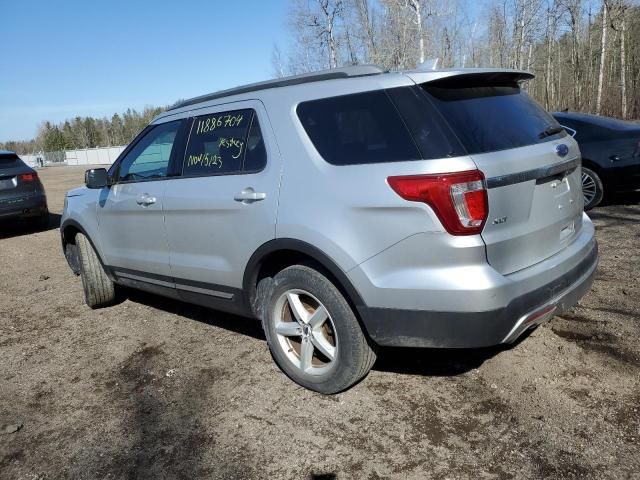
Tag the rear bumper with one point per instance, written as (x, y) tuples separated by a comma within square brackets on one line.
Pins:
[(465, 329), (30, 205)]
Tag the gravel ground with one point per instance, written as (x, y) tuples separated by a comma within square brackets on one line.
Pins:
[(155, 388)]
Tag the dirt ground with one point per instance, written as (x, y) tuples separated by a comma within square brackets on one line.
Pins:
[(155, 388)]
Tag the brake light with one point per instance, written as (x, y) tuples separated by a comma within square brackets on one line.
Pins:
[(28, 177), (458, 199)]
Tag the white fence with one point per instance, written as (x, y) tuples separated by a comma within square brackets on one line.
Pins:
[(85, 156), (93, 156)]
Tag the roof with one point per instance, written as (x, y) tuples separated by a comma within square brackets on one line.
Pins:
[(7, 152), (357, 71), (334, 73)]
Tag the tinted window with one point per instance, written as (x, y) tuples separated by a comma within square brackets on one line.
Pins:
[(9, 160), (357, 129), (430, 132), (490, 118), (218, 143), (256, 154), (149, 158)]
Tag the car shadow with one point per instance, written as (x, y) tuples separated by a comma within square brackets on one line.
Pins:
[(629, 198), (618, 209), (433, 362), (439, 362), (19, 227), (411, 361), (215, 318)]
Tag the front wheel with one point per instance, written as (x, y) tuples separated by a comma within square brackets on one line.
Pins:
[(592, 188), (99, 290), (312, 332)]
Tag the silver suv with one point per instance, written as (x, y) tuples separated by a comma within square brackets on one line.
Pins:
[(347, 209)]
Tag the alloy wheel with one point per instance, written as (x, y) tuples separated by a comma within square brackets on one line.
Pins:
[(305, 332), (589, 188)]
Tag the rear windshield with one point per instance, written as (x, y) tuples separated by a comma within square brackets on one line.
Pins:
[(488, 118), (9, 160)]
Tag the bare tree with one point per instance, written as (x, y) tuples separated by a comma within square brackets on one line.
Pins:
[(416, 7), (367, 28), (603, 56), (325, 24)]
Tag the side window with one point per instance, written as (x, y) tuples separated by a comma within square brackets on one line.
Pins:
[(256, 155), (149, 158), (357, 129), (223, 143)]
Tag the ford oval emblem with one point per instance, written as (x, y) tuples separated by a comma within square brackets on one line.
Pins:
[(562, 150)]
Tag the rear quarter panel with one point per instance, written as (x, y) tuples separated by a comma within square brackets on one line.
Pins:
[(349, 212)]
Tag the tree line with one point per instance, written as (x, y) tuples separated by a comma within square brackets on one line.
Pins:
[(85, 132), (585, 53)]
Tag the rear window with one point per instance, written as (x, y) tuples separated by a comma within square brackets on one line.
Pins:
[(488, 118), (357, 129), (9, 160)]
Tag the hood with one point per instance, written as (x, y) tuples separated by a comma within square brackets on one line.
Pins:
[(76, 192)]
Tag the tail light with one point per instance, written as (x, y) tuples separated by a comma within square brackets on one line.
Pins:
[(458, 199), (28, 177)]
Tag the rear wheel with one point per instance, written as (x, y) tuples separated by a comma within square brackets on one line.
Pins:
[(312, 332), (99, 290), (592, 188)]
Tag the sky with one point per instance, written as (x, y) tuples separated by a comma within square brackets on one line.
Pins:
[(66, 58)]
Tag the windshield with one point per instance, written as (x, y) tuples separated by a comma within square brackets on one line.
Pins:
[(488, 118)]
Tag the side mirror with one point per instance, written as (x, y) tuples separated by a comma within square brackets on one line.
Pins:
[(96, 178)]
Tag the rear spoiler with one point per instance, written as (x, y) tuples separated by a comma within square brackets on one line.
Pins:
[(471, 77)]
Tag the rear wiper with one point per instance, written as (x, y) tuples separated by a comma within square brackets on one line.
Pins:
[(550, 130)]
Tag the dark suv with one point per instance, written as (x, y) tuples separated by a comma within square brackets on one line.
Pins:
[(21, 192)]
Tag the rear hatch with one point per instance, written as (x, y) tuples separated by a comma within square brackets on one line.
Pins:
[(16, 178), (530, 164)]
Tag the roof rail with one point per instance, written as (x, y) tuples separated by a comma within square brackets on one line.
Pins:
[(331, 74)]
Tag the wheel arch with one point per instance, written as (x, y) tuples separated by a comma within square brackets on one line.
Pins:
[(68, 231), (591, 165), (280, 253)]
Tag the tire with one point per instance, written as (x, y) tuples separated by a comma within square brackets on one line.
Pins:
[(340, 353), (99, 290), (592, 188)]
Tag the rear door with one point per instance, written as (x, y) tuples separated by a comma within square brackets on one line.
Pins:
[(530, 164), (224, 205)]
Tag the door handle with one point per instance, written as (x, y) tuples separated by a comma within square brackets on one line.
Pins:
[(249, 195), (145, 200)]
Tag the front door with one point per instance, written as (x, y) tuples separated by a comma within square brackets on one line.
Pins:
[(224, 205), (130, 216)]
